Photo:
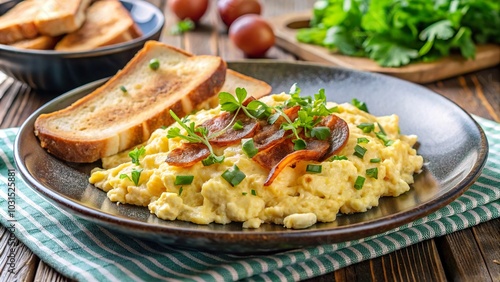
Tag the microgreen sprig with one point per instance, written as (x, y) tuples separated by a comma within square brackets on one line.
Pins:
[(136, 176), (136, 154), (194, 135)]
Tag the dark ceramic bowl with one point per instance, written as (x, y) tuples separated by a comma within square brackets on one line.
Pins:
[(56, 71)]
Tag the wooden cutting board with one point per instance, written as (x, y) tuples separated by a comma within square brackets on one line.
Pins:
[(286, 26)]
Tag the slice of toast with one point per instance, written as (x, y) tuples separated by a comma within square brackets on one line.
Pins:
[(132, 104), (107, 22), (19, 22), (57, 17), (42, 42)]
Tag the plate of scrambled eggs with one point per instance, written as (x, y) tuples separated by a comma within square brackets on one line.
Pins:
[(347, 155)]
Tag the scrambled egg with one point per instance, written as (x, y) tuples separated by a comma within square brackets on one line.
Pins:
[(295, 199)]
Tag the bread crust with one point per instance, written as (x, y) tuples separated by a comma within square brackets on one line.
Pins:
[(42, 42), (74, 146)]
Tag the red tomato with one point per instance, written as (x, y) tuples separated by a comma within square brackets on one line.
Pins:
[(188, 9), (230, 10), (252, 34)]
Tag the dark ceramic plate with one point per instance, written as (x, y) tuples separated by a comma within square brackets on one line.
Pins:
[(453, 145)]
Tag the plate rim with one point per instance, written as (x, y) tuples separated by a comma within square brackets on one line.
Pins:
[(310, 237)]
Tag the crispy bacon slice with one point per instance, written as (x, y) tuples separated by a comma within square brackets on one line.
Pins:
[(339, 133), (271, 134), (188, 154), (273, 155), (232, 136), (276, 158)]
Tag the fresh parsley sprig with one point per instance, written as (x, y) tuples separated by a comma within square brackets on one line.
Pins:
[(395, 33)]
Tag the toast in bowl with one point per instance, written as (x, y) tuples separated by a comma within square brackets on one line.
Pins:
[(107, 22), (58, 17), (19, 22), (132, 104)]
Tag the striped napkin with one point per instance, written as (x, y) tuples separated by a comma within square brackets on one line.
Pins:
[(87, 252)]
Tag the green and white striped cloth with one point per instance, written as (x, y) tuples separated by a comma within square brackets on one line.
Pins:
[(87, 252)]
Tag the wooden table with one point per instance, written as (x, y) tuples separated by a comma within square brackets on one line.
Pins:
[(468, 255)]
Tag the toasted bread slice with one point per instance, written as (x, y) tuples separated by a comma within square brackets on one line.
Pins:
[(57, 17), (42, 42), (19, 22), (107, 22), (132, 104)]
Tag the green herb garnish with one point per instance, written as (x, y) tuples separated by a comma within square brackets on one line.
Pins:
[(359, 151), (123, 89), (382, 136), (248, 147), (253, 192), (375, 160), (360, 105), (238, 125), (312, 168), (233, 175), (194, 135), (360, 181), (180, 190), (338, 158), (372, 172), (362, 140), (136, 154), (366, 127), (154, 64), (183, 179), (136, 176)]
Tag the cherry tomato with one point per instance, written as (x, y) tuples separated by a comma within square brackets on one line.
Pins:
[(252, 34), (230, 10), (188, 9)]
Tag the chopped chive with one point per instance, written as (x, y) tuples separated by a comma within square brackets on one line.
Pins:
[(314, 168), (212, 159), (363, 140), (244, 193), (366, 127), (359, 151), (375, 160), (254, 192), (249, 147), (387, 142), (360, 105), (154, 64), (180, 190), (123, 89), (238, 125), (233, 175), (381, 129), (360, 181), (372, 172), (338, 158), (183, 179)]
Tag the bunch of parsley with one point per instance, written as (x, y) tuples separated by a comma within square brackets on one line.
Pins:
[(397, 32)]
